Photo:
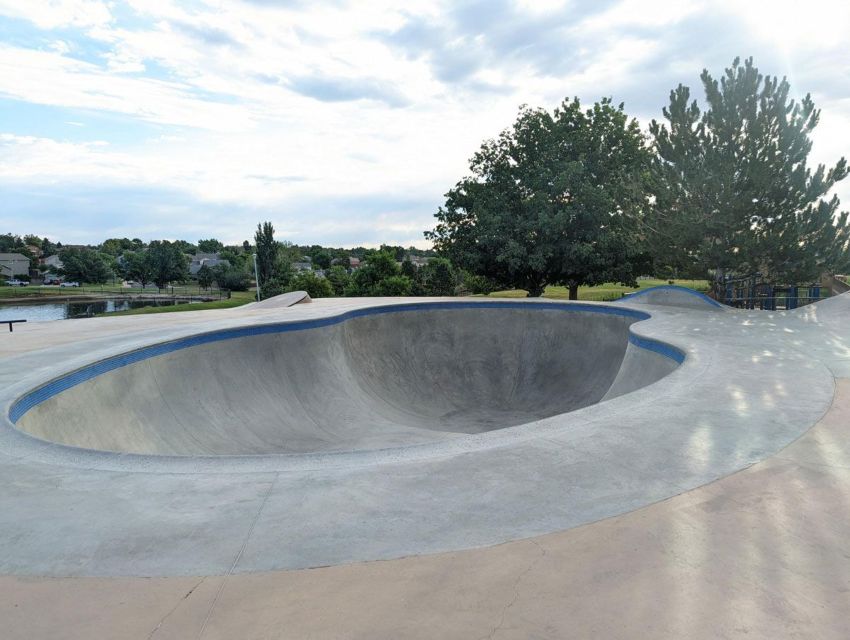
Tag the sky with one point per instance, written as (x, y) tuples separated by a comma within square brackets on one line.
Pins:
[(343, 123)]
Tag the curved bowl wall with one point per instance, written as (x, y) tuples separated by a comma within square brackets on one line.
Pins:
[(372, 379)]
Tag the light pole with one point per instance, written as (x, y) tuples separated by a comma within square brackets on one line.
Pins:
[(257, 277)]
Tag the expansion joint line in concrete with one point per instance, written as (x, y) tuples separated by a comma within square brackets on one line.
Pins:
[(238, 556), (823, 465), (516, 591), (174, 608)]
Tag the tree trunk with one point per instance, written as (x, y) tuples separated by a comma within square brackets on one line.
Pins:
[(536, 290), (573, 292)]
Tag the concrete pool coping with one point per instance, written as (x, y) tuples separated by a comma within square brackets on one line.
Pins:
[(750, 385), (99, 364)]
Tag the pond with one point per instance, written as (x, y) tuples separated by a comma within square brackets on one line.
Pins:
[(33, 311)]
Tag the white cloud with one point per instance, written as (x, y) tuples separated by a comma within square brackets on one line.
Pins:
[(43, 159), (644, 13), (51, 14), (44, 77), (819, 24), (60, 46), (275, 107)]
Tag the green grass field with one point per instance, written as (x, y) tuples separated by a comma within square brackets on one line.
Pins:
[(35, 292), (603, 292)]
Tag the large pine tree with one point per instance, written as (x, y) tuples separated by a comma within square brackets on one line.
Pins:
[(735, 192)]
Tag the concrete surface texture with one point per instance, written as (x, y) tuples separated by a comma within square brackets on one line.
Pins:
[(716, 526), (372, 381), (279, 302), (759, 554)]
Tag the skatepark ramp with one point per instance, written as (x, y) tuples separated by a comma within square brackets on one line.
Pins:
[(381, 377)]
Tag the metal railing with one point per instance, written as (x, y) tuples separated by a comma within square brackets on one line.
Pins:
[(767, 303), (10, 323)]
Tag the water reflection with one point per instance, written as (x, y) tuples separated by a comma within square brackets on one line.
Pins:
[(80, 309)]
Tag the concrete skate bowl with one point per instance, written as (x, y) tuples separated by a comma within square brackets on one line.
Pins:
[(376, 378)]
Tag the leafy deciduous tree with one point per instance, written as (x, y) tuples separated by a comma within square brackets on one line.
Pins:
[(412, 272), (553, 200), (315, 286), (274, 270), (230, 278), (116, 246), (381, 276), (205, 277), (267, 251), (438, 277), (85, 265), (210, 246), (338, 277), (137, 267), (168, 262)]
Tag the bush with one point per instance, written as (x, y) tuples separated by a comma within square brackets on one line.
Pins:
[(339, 279), (392, 286), (205, 277), (474, 284), (381, 276), (274, 287), (315, 286), (230, 278), (438, 277)]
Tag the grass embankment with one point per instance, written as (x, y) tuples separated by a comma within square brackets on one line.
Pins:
[(237, 299), (106, 290), (609, 291), (38, 292), (603, 292)]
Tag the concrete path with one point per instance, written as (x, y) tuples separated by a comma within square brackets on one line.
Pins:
[(759, 553)]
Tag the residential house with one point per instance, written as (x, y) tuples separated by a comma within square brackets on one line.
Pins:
[(351, 263), (419, 261), (53, 263), (208, 260), (14, 264)]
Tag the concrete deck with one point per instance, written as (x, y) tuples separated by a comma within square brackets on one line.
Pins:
[(727, 514)]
